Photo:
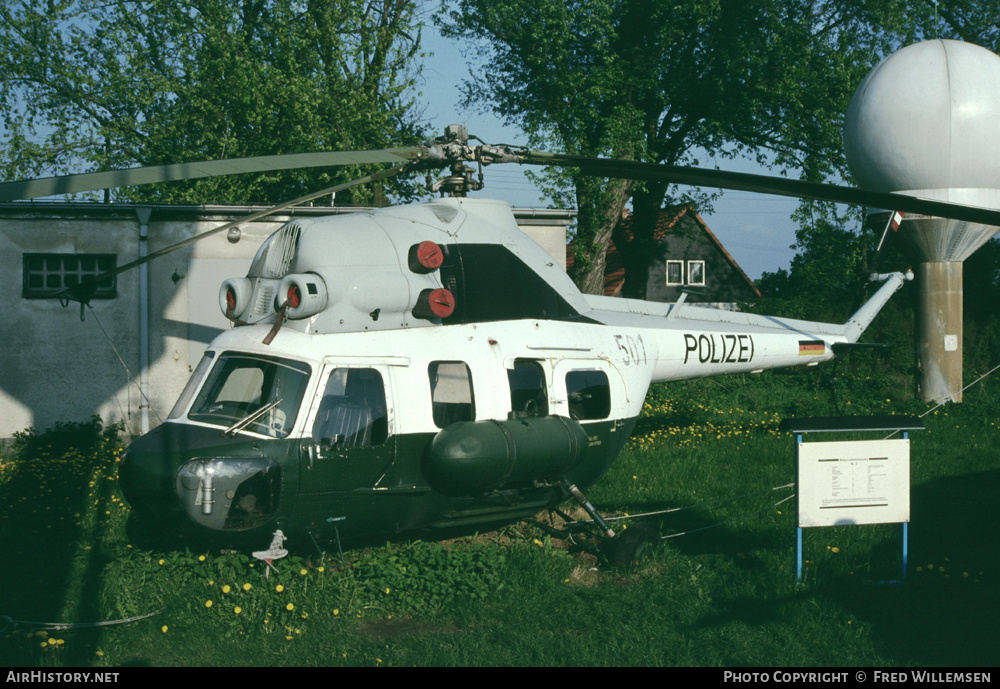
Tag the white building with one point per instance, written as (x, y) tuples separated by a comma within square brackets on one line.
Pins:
[(55, 368)]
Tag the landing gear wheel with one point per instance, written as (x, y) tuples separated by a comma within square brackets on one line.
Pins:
[(631, 547)]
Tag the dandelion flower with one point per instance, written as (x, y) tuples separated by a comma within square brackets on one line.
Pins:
[(161, 562), (226, 589), (835, 549), (337, 611), (303, 571), (163, 629), (208, 604), (289, 607), (279, 588), (247, 586), (237, 610), (201, 558)]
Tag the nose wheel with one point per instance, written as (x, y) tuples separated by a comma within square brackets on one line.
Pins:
[(625, 549), (631, 547)]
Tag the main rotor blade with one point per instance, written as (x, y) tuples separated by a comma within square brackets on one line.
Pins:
[(80, 291), (780, 186), (91, 181)]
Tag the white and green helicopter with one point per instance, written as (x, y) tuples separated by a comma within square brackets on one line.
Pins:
[(421, 368)]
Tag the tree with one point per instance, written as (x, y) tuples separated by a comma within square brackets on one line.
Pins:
[(661, 82), (90, 85)]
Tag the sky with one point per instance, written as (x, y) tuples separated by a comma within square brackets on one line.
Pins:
[(756, 229)]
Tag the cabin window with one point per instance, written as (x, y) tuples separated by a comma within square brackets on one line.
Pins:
[(46, 275), (528, 394), (352, 412), (241, 384), (675, 272), (696, 272), (589, 395), (451, 392)]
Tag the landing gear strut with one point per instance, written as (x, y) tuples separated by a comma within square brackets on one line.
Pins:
[(623, 550)]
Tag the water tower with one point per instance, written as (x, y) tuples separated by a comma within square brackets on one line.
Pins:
[(926, 122)]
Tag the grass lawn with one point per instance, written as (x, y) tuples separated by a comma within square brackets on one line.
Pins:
[(720, 590)]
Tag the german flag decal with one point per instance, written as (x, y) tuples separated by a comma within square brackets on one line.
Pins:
[(811, 347)]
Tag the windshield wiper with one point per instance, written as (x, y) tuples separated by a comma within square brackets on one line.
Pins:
[(247, 420)]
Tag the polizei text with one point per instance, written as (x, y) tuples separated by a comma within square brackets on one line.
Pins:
[(719, 349)]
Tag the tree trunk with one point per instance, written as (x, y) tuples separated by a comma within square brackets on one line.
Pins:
[(600, 203)]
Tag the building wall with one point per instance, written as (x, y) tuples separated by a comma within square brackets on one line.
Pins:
[(55, 368)]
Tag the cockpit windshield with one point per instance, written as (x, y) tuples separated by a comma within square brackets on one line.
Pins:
[(241, 384)]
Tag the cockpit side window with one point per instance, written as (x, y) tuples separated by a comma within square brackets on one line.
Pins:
[(528, 392), (241, 385), (352, 412), (451, 392)]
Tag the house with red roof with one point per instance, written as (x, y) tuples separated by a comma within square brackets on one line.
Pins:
[(685, 256)]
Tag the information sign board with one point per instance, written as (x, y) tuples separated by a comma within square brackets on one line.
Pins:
[(854, 482)]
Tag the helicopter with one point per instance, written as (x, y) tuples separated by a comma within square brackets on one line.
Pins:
[(427, 368)]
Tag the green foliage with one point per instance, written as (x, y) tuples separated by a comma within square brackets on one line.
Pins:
[(89, 85), (666, 83), (722, 594), (422, 577)]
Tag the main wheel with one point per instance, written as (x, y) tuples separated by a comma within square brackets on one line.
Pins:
[(632, 546)]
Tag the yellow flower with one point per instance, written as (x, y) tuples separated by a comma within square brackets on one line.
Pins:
[(201, 558), (336, 611), (226, 589), (835, 549), (163, 629), (289, 607), (247, 586), (279, 588), (208, 604), (161, 562), (303, 571), (237, 610)]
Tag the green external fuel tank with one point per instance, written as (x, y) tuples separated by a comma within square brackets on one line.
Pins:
[(474, 457)]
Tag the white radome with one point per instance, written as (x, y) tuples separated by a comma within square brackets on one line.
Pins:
[(924, 122)]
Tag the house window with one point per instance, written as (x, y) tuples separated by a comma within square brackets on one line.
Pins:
[(675, 272), (696, 272), (46, 275)]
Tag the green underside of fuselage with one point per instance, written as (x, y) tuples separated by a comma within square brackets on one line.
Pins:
[(368, 494)]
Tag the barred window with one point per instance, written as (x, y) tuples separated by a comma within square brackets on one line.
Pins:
[(46, 275)]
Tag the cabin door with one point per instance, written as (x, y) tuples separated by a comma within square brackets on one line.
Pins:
[(351, 444)]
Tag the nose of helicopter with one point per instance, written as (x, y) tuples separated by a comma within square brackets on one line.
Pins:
[(190, 478)]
